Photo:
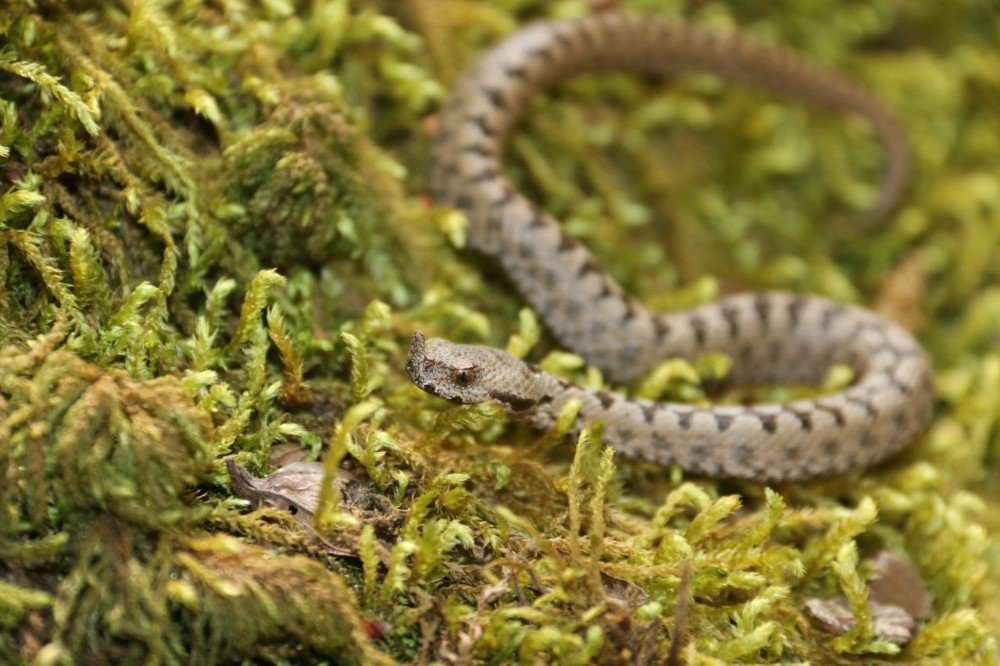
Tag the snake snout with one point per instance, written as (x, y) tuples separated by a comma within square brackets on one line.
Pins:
[(416, 356)]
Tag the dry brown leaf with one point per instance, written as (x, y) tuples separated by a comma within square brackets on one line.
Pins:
[(892, 623), (295, 488), (624, 592), (286, 454), (896, 581), (897, 598)]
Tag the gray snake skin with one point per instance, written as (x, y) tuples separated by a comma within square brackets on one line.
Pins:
[(771, 336)]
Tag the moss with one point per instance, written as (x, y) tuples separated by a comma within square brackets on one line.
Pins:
[(214, 239)]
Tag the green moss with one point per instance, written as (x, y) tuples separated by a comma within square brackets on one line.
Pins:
[(214, 239)]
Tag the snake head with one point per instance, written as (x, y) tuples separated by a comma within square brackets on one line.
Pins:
[(466, 374)]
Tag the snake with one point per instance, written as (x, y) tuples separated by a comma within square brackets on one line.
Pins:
[(770, 336)]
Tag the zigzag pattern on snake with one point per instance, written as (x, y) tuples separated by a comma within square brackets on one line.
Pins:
[(771, 336)]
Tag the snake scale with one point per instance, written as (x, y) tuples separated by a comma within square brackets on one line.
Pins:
[(770, 336)]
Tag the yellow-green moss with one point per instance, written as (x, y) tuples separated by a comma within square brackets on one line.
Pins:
[(214, 238)]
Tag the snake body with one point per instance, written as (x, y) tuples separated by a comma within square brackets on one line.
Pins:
[(771, 336)]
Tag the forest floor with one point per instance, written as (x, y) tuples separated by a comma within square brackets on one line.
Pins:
[(216, 241)]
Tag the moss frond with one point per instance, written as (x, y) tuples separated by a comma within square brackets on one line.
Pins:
[(51, 88)]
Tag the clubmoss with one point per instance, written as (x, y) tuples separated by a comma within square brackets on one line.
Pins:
[(214, 240)]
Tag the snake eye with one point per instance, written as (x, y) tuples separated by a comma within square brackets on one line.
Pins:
[(464, 377)]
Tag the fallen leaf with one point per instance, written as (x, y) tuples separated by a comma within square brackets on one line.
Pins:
[(286, 454), (490, 593), (295, 488), (896, 581), (834, 615), (891, 623), (625, 592), (897, 598)]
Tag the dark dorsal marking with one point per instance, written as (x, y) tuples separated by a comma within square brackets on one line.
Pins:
[(732, 316), (648, 413), (905, 389), (698, 325), (515, 71), (562, 39), (805, 418), (450, 169), (480, 121), (605, 398), (588, 266), (515, 402), (485, 175), (743, 455), (699, 452), (542, 52), (537, 220), (684, 419), (863, 404), (723, 421), (831, 312), (495, 97), (506, 198), (769, 422), (776, 347), (835, 412), (477, 149), (795, 310), (762, 305), (630, 310), (892, 351), (659, 441), (566, 243), (661, 328)]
